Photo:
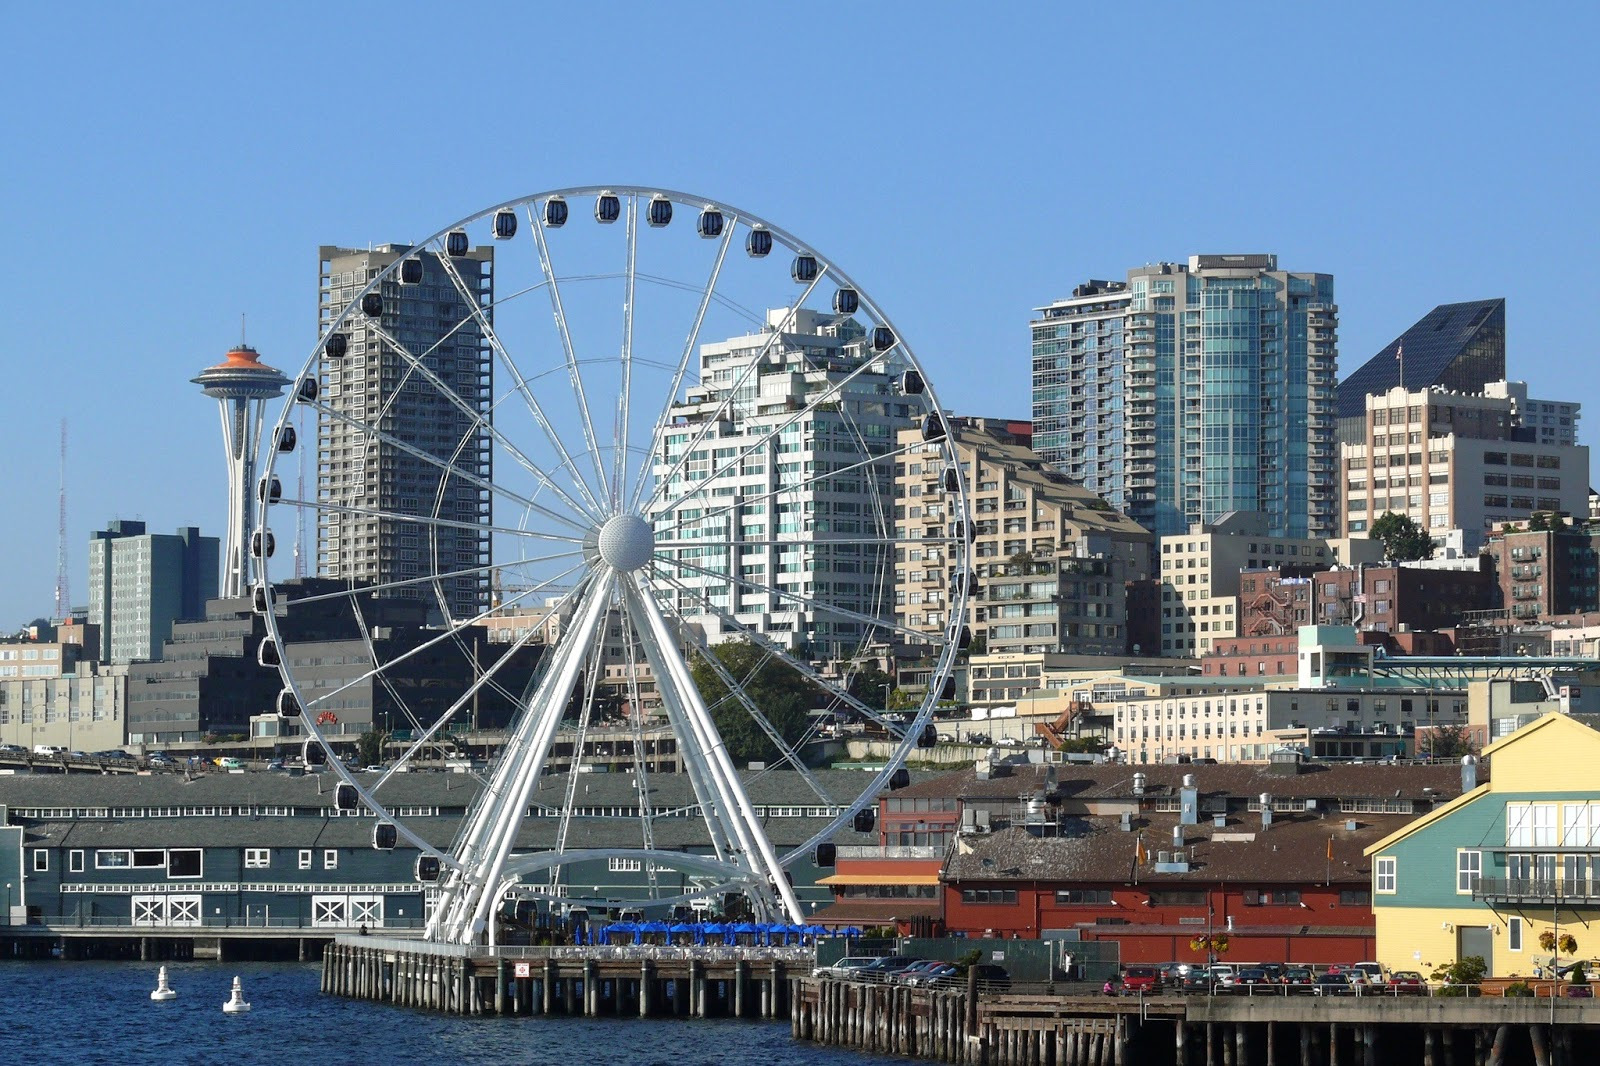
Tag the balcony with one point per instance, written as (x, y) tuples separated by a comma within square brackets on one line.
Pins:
[(1536, 890)]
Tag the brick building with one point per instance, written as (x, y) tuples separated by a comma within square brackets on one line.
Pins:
[(1157, 858), (1546, 572)]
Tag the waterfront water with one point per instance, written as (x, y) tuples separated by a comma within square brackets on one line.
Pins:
[(80, 1013)]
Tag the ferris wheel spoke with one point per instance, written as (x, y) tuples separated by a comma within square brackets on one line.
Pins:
[(737, 692), (392, 441), (585, 711), (426, 520), (759, 638), (481, 420), (790, 597), (669, 506), (447, 634), (733, 390), (640, 759), (673, 674), (731, 467), (601, 489), (659, 432), (412, 582), (591, 506), (504, 802), (619, 471)]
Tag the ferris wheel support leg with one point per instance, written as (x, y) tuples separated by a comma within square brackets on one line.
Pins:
[(483, 853), (711, 748)]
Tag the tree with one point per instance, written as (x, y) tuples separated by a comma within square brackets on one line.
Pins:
[(867, 685), (369, 747), (1448, 741), (783, 695), (1458, 976), (1091, 745), (1540, 521), (1404, 539)]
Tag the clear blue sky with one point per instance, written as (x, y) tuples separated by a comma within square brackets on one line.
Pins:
[(167, 167)]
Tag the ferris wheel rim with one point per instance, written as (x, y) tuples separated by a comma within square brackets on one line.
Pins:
[(954, 616)]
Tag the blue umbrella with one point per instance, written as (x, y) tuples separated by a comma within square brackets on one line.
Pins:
[(849, 930)]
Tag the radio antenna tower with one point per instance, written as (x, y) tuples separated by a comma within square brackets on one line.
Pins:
[(63, 591)]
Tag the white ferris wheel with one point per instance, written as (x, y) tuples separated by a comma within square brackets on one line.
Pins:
[(646, 423)]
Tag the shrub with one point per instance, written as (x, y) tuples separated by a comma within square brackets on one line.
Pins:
[(1458, 976), (1518, 990)]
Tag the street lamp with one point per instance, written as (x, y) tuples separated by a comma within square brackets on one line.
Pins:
[(8, 902)]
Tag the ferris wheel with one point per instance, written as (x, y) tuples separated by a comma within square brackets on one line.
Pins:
[(613, 432)]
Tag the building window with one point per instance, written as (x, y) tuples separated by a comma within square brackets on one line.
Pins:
[(112, 858), (1355, 897), (1469, 867), (305, 858), (1177, 897), (75, 861), (1514, 934), (257, 858), (988, 895), (330, 859), (624, 866), (1083, 895), (1271, 897), (41, 860), (1386, 875), (185, 862)]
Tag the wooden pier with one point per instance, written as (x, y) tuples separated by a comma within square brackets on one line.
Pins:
[(595, 982), (954, 1026)]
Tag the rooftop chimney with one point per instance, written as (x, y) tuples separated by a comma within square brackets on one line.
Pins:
[(1469, 773), (1266, 810)]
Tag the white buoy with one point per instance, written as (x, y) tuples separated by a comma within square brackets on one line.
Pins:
[(236, 1004), (163, 990)]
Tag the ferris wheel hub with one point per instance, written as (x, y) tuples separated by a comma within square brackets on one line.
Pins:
[(626, 542)]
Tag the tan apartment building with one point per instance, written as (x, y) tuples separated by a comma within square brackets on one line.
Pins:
[(1468, 462), (1199, 575), (1051, 561)]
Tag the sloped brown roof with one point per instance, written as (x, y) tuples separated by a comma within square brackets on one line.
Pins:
[(875, 912), (1436, 783), (1095, 850)]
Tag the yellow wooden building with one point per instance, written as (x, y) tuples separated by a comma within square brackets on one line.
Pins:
[(1509, 860)]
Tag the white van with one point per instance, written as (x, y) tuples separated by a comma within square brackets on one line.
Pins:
[(49, 750)]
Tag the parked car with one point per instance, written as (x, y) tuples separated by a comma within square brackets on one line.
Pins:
[(158, 759), (228, 762), (1251, 979), (1274, 971), (1372, 972), (12, 749), (1137, 980), (1332, 984), (1406, 983), (1172, 973), (1199, 979), (846, 966), (880, 968), (911, 974), (928, 975), (1298, 979)]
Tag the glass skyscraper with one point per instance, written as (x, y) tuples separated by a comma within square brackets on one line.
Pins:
[(1192, 390)]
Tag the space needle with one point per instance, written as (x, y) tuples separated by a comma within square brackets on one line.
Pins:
[(241, 384)]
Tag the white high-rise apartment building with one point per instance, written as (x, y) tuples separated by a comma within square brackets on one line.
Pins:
[(754, 496)]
